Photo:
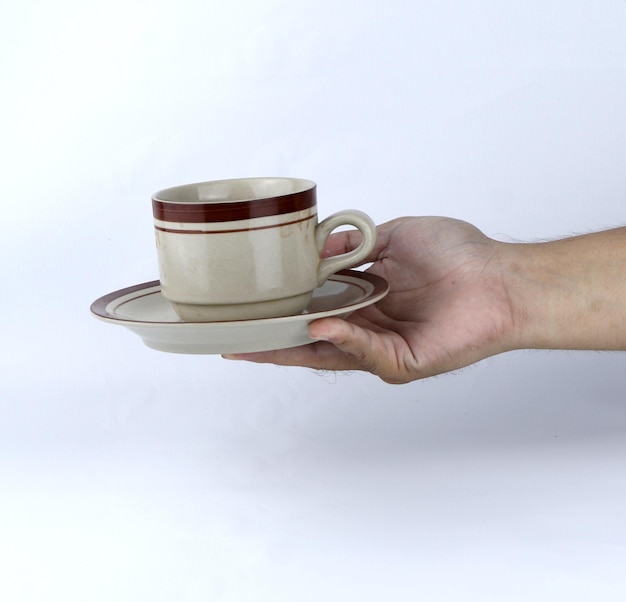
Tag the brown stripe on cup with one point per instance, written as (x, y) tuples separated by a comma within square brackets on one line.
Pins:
[(215, 211), (191, 230)]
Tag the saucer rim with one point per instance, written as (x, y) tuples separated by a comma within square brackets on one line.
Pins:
[(380, 288)]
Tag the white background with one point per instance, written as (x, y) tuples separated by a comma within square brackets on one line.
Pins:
[(128, 474)]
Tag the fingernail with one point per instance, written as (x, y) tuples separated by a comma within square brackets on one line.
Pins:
[(321, 337)]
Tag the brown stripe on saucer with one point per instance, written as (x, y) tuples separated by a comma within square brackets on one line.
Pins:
[(99, 306), (210, 212)]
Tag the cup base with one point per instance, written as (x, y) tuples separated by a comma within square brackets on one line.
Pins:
[(275, 308)]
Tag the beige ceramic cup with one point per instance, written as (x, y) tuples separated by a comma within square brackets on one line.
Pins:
[(247, 248)]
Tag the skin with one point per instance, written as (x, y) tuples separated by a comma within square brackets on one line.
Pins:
[(458, 296)]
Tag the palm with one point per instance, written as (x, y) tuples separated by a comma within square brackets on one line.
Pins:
[(441, 299)]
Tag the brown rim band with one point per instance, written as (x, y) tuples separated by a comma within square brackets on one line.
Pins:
[(203, 212)]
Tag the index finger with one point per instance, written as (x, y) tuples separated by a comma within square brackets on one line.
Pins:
[(348, 240)]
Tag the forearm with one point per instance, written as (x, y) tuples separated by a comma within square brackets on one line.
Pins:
[(570, 293)]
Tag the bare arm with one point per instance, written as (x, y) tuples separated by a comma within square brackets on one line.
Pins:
[(570, 293), (458, 296)]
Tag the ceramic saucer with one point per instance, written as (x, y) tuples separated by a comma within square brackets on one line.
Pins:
[(143, 310)]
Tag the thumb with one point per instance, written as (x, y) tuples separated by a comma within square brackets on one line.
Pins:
[(359, 344)]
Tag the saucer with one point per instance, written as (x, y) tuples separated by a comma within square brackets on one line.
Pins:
[(143, 310)]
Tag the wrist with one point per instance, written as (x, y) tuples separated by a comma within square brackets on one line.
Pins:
[(529, 291)]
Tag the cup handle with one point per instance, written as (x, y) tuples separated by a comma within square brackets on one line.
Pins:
[(352, 217)]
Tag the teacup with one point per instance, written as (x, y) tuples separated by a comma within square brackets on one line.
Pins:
[(247, 248)]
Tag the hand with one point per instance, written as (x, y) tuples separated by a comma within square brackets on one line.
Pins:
[(447, 307)]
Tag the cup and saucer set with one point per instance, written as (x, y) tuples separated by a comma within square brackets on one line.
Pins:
[(240, 269)]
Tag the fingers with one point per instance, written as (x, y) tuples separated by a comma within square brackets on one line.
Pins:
[(340, 345), (321, 355), (345, 241), (356, 344), (375, 351)]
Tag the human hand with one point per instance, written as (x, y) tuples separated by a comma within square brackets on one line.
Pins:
[(447, 307)]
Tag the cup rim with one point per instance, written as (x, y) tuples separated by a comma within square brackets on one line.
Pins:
[(221, 209), (161, 196)]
